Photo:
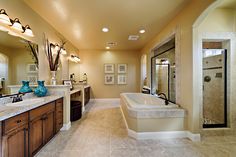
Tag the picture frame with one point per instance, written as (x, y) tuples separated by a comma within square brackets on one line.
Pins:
[(109, 79), (109, 68), (68, 83), (121, 79), (33, 79), (122, 68), (32, 68)]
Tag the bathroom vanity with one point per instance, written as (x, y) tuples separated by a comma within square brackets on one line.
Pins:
[(25, 129)]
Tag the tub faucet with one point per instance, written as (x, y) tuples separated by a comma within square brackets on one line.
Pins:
[(165, 98)]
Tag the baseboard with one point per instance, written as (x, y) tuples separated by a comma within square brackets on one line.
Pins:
[(193, 137), (160, 135), (104, 99), (66, 126)]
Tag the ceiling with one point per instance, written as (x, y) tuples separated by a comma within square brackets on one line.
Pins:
[(81, 21)]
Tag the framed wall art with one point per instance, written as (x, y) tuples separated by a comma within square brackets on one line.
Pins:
[(32, 79), (109, 79), (122, 68), (121, 79), (32, 68), (109, 68)]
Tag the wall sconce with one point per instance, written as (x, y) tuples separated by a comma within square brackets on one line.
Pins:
[(75, 58), (63, 51), (4, 17), (28, 31), (14, 24), (56, 48)]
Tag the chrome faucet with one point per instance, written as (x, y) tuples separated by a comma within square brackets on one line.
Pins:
[(165, 98), (17, 97)]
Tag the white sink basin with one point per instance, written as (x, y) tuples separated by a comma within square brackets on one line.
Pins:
[(25, 102)]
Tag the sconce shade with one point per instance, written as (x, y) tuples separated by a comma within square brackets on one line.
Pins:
[(55, 49), (4, 17), (63, 51), (28, 31), (17, 25), (74, 58)]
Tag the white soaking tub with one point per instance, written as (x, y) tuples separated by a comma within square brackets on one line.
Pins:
[(147, 116), (145, 101)]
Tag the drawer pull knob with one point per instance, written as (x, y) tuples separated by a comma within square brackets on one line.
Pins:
[(18, 121)]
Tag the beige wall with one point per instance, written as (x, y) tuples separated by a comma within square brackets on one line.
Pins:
[(220, 20), (92, 63), (183, 23), (220, 24), (17, 8)]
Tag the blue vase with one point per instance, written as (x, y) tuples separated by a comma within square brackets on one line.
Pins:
[(25, 87), (41, 90)]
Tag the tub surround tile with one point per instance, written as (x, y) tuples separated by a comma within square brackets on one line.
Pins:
[(157, 113)]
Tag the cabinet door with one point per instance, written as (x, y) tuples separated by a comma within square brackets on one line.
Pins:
[(36, 135), (59, 115), (15, 143), (48, 126), (86, 95)]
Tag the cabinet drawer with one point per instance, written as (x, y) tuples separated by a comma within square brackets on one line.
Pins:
[(59, 107), (59, 114), (59, 101), (59, 124), (15, 122), (42, 110)]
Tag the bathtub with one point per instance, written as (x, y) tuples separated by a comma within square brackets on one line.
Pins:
[(148, 116), (145, 101)]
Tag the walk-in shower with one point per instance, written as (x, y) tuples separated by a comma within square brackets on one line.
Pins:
[(214, 85)]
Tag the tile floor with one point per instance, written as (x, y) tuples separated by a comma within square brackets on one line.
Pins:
[(102, 133)]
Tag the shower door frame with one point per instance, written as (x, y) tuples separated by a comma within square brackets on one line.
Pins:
[(225, 97), (168, 72)]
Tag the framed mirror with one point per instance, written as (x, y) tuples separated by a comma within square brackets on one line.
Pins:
[(163, 74), (18, 61)]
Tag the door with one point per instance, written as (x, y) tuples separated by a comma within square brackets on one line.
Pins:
[(48, 127), (36, 135), (214, 88), (16, 143)]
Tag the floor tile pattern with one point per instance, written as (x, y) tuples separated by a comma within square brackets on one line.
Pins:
[(102, 133)]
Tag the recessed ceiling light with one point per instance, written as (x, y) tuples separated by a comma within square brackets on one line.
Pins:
[(105, 29), (107, 47), (142, 31)]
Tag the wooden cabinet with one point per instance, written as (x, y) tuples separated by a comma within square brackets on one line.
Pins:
[(42, 127), (59, 115), (23, 135), (15, 136), (86, 95)]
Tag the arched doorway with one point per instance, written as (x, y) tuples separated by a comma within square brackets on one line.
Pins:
[(212, 33)]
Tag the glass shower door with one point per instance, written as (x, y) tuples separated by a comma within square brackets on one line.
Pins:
[(214, 88)]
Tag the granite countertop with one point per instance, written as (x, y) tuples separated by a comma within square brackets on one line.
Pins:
[(52, 86), (9, 110), (75, 91)]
